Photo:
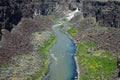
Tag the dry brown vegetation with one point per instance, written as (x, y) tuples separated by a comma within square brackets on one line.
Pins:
[(105, 38), (18, 41)]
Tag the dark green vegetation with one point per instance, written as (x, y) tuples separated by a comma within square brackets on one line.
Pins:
[(4, 66), (62, 26), (97, 64), (72, 31)]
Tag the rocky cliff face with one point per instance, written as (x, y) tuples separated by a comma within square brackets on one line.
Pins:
[(106, 13), (11, 11)]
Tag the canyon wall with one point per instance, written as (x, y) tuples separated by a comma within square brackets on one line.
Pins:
[(106, 12), (11, 11)]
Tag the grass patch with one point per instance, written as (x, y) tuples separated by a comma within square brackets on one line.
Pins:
[(62, 26), (43, 69), (47, 44), (98, 65), (72, 31), (4, 66), (28, 79), (45, 59)]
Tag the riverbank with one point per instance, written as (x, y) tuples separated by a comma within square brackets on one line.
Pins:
[(83, 60), (20, 52), (71, 31), (75, 56), (84, 34), (48, 45), (62, 65), (78, 69), (44, 49)]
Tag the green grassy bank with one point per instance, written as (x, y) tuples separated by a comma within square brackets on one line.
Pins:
[(72, 31), (45, 58), (96, 64)]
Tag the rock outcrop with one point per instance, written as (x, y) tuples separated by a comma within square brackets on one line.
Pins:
[(106, 13), (11, 11)]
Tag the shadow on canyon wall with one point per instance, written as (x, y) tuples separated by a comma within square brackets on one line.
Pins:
[(11, 11)]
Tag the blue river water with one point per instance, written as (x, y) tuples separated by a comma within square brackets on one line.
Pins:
[(62, 65)]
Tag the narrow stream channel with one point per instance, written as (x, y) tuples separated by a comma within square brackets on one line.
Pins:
[(62, 66)]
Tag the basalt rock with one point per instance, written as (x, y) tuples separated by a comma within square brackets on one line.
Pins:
[(11, 11), (106, 12)]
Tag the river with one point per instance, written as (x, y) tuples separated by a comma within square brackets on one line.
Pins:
[(62, 62), (62, 66)]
